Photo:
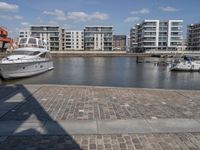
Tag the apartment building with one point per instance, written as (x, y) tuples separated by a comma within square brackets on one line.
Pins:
[(159, 35), (24, 33), (133, 39), (74, 40), (193, 37), (53, 35), (119, 42), (98, 38), (128, 39)]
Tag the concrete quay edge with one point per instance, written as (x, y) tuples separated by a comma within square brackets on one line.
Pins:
[(79, 127), (105, 87)]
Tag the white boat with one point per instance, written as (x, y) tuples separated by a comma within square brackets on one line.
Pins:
[(185, 65), (31, 58)]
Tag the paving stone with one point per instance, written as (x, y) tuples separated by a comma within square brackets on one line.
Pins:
[(153, 141), (90, 103), (46, 104)]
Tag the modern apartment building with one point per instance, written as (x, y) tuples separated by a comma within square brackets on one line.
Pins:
[(98, 38), (133, 39), (74, 40), (119, 42), (24, 33), (193, 37), (53, 35), (159, 35), (128, 39)]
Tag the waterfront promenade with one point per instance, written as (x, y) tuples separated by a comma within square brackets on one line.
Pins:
[(83, 117)]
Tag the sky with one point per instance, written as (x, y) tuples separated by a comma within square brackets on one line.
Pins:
[(76, 14)]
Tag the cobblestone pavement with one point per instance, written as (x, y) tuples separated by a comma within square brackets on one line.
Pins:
[(89, 103), (180, 141), (61, 103)]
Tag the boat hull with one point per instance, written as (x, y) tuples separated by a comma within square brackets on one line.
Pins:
[(19, 70), (185, 67)]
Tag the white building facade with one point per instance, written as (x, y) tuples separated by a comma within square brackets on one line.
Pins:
[(24, 33), (159, 35), (99, 38), (74, 40), (53, 35), (132, 40), (193, 37)]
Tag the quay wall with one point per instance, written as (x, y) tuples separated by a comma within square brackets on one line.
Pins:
[(121, 54), (115, 53), (95, 54)]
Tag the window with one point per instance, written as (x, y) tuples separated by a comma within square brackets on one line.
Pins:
[(43, 55), (40, 42), (35, 53), (32, 41), (23, 41), (25, 53)]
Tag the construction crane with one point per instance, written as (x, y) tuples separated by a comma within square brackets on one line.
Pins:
[(5, 41)]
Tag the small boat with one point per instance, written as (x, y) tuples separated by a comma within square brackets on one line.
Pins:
[(186, 64), (31, 58)]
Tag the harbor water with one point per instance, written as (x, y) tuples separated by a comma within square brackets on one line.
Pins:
[(112, 71)]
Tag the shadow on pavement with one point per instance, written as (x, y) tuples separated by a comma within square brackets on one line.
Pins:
[(29, 130)]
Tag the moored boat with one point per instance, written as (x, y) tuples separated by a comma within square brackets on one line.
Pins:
[(31, 58), (186, 64)]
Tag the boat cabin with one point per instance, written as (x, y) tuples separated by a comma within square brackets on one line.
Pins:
[(35, 47), (31, 42)]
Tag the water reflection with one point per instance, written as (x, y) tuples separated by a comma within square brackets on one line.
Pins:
[(112, 71)]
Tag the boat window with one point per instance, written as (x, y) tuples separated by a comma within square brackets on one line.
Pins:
[(40, 42), (48, 55), (23, 41), (35, 53), (25, 53), (32, 41), (43, 55)]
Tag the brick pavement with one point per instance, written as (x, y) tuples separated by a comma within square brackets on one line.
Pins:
[(186, 141), (61, 103), (88, 103)]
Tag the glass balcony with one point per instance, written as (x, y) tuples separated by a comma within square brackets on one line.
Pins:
[(176, 24)]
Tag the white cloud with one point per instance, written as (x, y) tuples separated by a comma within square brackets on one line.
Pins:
[(82, 16), (52, 22), (76, 16), (141, 11), (8, 7), (132, 19), (59, 14), (25, 23), (68, 26), (7, 17), (168, 9), (99, 16), (17, 17)]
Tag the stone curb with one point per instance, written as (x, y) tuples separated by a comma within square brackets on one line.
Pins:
[(99, 127)]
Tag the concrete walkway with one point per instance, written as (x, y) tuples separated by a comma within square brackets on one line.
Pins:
[(99, 127)]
